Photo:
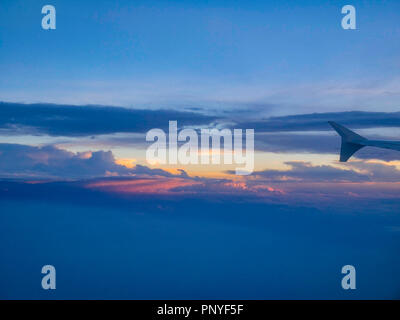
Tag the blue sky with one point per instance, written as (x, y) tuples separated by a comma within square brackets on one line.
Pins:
[(210, 54)]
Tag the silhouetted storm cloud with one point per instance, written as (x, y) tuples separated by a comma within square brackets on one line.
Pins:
[(22, 161), (70, 120), (318, 121), (352, 172)]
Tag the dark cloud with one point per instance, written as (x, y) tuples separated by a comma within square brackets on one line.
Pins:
[(274, 134), (290, 142), (319, 121), (50, 162), (378, 172), (143, 170), (352, 172), (304, 171), (21, 161), (284, 134), (69, 120)]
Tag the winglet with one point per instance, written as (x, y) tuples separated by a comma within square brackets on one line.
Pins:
[(350, 141)]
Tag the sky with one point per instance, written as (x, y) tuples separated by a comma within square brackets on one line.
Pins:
[(292, 55), (76, 104)]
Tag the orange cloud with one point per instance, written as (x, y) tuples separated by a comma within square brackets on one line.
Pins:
[(143, 186), (126, 162)]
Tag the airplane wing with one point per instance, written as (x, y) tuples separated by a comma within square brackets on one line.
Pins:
[(352, 142), (393, 145)]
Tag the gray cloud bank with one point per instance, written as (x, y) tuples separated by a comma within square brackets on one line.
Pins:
[(274, 134), (21, 161), (70, 120), (352, 172), (319, 121)]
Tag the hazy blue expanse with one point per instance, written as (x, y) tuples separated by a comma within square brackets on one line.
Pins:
[(106, 246)]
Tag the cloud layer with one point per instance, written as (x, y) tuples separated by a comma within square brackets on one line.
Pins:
[(356, 171), (70, 120), (21, 161), (319, 121)]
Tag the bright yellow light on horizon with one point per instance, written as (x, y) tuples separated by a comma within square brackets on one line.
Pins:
[(129, 163)]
